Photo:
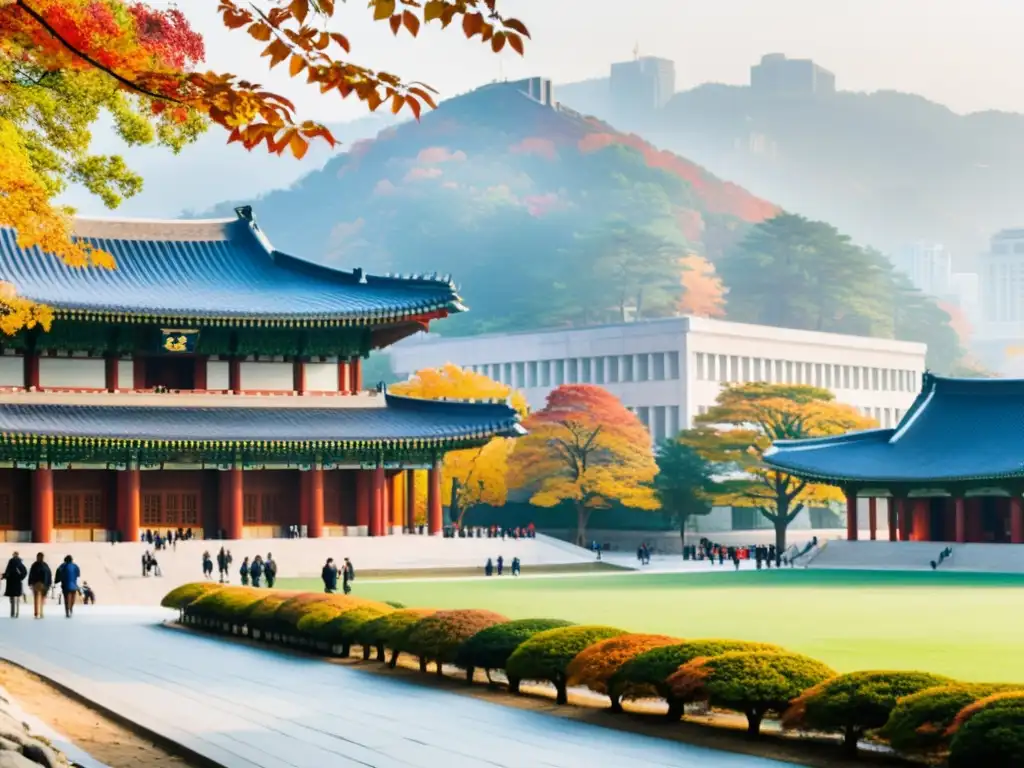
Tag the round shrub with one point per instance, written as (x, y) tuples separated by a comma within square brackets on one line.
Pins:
[(227, 604), (261, 614), (919, 722), (385, 630), (490, 648), (344, 630), (547, 655), (855, 702), (296, 606), (317, 616), (593, 667), (437, 637), (752, 682), (991, 734), (646, 675), (183, 596)]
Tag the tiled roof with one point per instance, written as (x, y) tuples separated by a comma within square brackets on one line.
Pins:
[(956, 430), (212, 270), (402, 419)]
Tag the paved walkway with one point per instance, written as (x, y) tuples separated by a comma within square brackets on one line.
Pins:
[(242, 706)]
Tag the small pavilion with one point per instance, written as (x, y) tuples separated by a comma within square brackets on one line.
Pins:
[(951, 471)]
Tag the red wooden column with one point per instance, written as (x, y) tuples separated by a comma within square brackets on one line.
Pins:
[(893, 504), (975, 530), (344, 377), (851, 516), (42, 506), (235, 498), (410, 499), (921, 526), (235, 375), (299, 376), (31, 367), (435, 519), (396, 509), (960, 516), (129, 503), (315, 486), (355, 383), (873, 517), (1016, 520), (200, 379), (377, 502), (904, 522), (364, 494), (110, 373)]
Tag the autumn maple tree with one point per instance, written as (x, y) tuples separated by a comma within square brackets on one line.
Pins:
[(63, 63), (586, 448), (745, 420), (475, 475), (703, 292)]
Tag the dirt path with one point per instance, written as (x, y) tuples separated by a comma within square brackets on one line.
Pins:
[(104, 739)]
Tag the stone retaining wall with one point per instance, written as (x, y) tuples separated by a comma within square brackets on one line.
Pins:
[(18, 747)]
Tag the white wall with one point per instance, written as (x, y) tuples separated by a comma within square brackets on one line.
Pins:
[(267, 376), (218, 375), (12, 371), (125, 374), (76, 372), (321, 377)]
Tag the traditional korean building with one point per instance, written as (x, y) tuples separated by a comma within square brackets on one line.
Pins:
[(951, 470), (212, 382)]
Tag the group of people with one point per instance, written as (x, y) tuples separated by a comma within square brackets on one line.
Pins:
[(489, 567), (764, 555), (159, 540), (329, 576), (40, 582), (254, 571), (494, 532), (150, 565)]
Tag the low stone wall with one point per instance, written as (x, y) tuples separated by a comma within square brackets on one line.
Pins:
[(18, 747)]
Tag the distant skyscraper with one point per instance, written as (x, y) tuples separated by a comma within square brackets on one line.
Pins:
[(1000, 339), (929, 267), (778, 76), (641, 86)]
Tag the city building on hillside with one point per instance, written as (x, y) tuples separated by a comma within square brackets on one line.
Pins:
[(1000, 335), (777, 75), (929, 267), (931, 490), (539, 89), (669, 371), (212, 382), (641, 86)]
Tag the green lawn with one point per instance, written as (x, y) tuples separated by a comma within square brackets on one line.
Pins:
[(968, 626)]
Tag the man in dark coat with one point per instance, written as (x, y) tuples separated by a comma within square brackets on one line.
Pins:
[(270, 570), (348, 575), (40, 580), (14, 574), (329, 574)]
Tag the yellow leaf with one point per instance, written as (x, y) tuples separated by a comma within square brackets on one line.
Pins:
[(433, 10), (260, 31), (296, 65), (299, 9), (298, 146), (383, 9)]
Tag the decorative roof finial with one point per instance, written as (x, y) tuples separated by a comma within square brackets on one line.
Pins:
[(244, 212)]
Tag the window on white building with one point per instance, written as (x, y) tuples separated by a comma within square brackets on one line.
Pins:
[(700, 365), (520, 375), (587, 370), (673, 366), (599, 373), (627, 368), (643, 368), (674, 426), (611, 369), (644, 414), (659, 429), (723, 368), (658, 363), (559, 375)]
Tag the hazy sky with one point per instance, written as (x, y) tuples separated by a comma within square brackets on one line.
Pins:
[(966, 54)]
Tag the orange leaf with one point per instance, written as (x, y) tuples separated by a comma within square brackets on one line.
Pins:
[(236, 19), (327, 7), (472, 24), (516, 26), (260, 31), (383, 9), (411, 22), (277, 51), (397, 102), (296, 65), (396, 23), (515, 42), (498, 41), (298, 146), (299, 9), (340, 40), (414, 106)]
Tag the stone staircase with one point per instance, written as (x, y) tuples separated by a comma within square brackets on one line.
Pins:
[(917, 556)]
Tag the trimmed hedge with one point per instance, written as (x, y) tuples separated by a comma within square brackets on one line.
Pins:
[(856, 702), (752, 682), (490, 648), (387, 630), (919, 722), (990, 733), (437, 637), (344, 630), (593, 667), (183, 596), (227, 604), (262, 614), (547, 655), (646, 675)]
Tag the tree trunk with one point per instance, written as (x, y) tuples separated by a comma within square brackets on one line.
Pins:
[(851, 737), (440, 668), (780, 533), (513, 684), (469, 674), (366, 652), (754, 718), (394, 659), (676, 709), (616, 706), (683, 517), (582, 518), (561, 694), (346, 649), (453, 507), (380, 652), (423, 665)]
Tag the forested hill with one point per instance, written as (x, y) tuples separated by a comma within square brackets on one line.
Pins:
[(542, 215)]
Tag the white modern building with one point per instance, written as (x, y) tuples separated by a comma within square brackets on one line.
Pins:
[(999, 341), (668, 371), (929, 267)]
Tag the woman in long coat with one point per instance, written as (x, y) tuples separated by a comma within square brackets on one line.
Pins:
[(14, 574)]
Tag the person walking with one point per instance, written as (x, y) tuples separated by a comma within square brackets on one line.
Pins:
[(207, 566), (222, 565), (244, 572), (348, 575), (39, 581), (270, 570), (69, 575), (14, 574), (256, 571), (329, 575)]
